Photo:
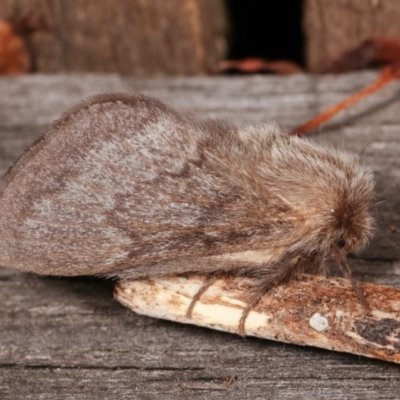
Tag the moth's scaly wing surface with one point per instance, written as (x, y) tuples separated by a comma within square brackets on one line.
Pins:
[(119, 182)]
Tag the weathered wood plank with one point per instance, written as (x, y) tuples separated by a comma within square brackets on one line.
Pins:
[(67, 338), (36, 312), (131, 37), (287, 100), (332, 27), (197, 383)]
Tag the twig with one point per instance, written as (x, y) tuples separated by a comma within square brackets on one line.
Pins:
[(313, 311), (389, 74)]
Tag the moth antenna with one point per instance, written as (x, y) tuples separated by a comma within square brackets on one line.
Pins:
[(378, 202)]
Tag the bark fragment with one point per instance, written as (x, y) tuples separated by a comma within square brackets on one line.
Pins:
[(314, 311)]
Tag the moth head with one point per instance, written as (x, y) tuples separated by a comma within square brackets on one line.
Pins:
[(332, 195), (352, 223), (344, 223)]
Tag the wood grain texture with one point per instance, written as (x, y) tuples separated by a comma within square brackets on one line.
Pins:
[(67, 338), (176, 37), (332, 27)]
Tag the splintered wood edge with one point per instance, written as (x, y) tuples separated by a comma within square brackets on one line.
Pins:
[(313, 311)]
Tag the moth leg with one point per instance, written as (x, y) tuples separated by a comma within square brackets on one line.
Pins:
[(288, 269), (258, 293), (356, 285), (210, 280)]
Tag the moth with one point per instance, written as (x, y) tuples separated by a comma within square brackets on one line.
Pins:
[(124, 186)]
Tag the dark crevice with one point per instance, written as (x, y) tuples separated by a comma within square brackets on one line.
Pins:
[(268, 29), (93, 367)]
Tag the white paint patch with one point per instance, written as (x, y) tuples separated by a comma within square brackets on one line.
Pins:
[(318, 322), (339, 313)]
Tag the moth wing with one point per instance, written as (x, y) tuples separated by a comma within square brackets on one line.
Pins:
[(124, 182), (119, 182)]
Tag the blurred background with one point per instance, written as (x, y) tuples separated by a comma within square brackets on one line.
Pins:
[(187, 37)]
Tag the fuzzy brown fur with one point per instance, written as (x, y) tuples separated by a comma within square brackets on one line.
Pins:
[(124, 186)]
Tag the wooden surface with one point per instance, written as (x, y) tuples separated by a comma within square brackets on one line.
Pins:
[(68, 339), (332, 27), (132, 37)]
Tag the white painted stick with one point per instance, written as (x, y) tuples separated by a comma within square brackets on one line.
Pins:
[(313, 311)]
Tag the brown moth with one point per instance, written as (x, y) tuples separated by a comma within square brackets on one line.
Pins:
[(124, 186)]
